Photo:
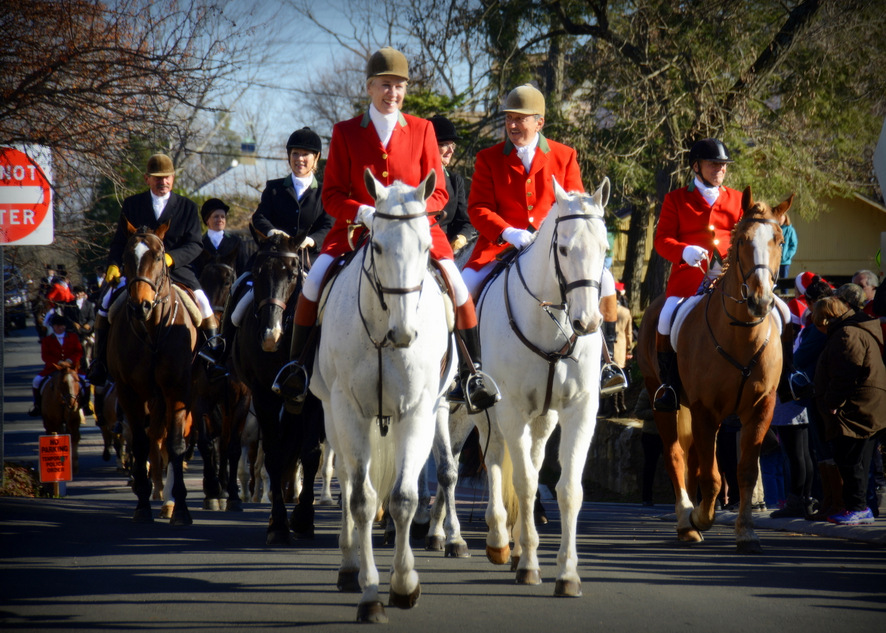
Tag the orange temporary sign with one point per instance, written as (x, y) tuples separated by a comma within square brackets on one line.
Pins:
[(55, 458)]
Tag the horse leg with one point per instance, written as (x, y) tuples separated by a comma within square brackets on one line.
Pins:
[(498, 468), (233, 453), (421, 522), (176, 445), (141, 445), (753, 429), (527, 452), (208, 447), (704, 434), (363, 503), (575, 439), (327, 470), (675, 465), (444, 519)]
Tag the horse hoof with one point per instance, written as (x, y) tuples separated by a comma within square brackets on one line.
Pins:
[(304, 534), (689, 536), (748, 547), (210, 504), (234, 505), (402, 601), (166, 511), (435, 544), (498, 555), (349, 582), (327, 502), (278, 538), (515, 562), (142, 515), (457, 550), (106, 455), (181, 518), (371, 613), (528, 577), (418, 531), (567, 589)]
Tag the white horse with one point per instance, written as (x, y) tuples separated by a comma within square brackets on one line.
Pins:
[(378, 374), (542, 315)]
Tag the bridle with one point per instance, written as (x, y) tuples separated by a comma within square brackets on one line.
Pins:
[(744, 276), (155, 286), (271, 300), (565, 287)]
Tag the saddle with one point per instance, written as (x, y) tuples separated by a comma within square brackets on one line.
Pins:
[(185, 294)]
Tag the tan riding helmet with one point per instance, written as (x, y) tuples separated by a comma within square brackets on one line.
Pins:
[(525, 99), (387, 61), (160, 165)]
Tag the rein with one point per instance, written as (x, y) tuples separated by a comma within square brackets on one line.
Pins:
[(370, 273), (552, 358)]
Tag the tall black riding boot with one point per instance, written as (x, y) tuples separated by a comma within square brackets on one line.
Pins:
[(98, 369), (473, 389), (36, 412), (84, 398), (667, 399), (292, 381)]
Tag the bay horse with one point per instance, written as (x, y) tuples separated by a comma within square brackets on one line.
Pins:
[(728, 343), (60, 406), (151, 342), (384, 341), (261, 348), (542, 315), (220, 406)]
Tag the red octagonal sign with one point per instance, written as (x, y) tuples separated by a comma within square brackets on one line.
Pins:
[(25, 199)]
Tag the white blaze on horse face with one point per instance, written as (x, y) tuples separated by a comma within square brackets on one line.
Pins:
[(763, 237), (139, 251)]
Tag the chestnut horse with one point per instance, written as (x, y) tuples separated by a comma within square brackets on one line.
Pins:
[(151, 343), (730, 360), (60, 406)]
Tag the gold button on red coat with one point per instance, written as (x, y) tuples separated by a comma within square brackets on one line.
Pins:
[(529, 208), (384, 174), (384, 157)]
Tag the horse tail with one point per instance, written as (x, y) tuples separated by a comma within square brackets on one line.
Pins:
[(508, 492)]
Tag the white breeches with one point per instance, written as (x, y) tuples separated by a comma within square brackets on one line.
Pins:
[(473, 278)]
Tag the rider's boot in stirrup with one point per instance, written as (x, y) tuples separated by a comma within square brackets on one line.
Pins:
[(476, 389), (293, 379), (36, 412), (667, 399), (98, 369), (213, 350)]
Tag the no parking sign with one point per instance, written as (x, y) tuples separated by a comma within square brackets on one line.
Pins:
[(25, 195)]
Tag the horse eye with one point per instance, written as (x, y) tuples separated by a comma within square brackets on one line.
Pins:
[(562, 251), (376, 248)]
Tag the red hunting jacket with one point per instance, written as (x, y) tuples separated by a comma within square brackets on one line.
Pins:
[(503, 195), (53, 353), (411, 154), (685, 220)]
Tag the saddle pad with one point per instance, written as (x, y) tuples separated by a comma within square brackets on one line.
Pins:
[(683, 308), (187, 298)]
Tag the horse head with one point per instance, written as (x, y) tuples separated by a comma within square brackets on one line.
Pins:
[(67, 385), (216, 280), (144, 264), (578, 249), (399, 252), (755, 254), (277, 273)]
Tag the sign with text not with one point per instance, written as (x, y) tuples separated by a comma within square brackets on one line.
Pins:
[(25, 195), (55, 458)]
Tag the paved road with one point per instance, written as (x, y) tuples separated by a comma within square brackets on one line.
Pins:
[(78, 563)]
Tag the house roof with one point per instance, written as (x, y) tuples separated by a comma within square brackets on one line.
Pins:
[(245, 180)]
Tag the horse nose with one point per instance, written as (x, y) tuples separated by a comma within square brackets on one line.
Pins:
[(270, 340), (402, 336), (587, 324)]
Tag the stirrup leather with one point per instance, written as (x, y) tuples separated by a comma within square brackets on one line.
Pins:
[(285, 384)]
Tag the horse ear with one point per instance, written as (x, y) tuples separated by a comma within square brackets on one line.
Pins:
[(747, 199), (602, 193), (784, 206), (428, 185), (160, 231), (257, 235), (132, 230), (559, 192), (372, 185)]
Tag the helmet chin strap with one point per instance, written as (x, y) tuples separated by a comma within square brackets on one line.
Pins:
[(699, 175)]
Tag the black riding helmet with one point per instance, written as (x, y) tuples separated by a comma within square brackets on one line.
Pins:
[(306, 139), (709, 149)]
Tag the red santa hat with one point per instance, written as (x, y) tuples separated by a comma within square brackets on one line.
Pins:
[(619, 286), (802, 281)]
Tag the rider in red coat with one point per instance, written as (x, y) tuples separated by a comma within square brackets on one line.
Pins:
[(394, 146), (512, 191), (693, 233), (56, 347)]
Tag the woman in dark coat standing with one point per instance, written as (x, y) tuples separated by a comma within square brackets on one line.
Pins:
[(454, 221), (850, 391)]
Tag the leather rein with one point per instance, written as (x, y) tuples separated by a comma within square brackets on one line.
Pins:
[(554, 357)]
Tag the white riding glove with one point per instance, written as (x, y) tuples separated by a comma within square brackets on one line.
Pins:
[(308, 242), (364, 214), (692, 255), (274, 232), (520, 238)]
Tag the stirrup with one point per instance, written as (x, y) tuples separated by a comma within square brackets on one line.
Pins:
[(213, 344), (285, 383), (660, 394), (800, 385), (477, 395), (612, 380)]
